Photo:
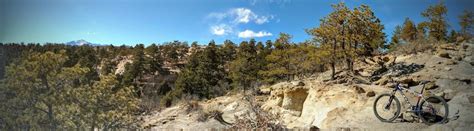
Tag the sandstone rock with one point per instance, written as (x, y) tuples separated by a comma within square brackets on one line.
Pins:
[(430, 86), (458, 58), (370, 61), (265, 91), (314, 128), (465, 46), (440, 94), (447, 68), (450, 62), (448, 94), (382, 81), (298, 83), (390, 85), (447, 47), (389, 60), (294, 98), (443, 54), (406, 80), (370, 94), (408, 117), (358, 89), (386, 59), (471, 99)]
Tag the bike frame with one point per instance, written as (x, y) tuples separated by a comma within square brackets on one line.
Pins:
[(400, 89)]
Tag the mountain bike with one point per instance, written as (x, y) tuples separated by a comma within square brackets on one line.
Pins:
[(431, 109)]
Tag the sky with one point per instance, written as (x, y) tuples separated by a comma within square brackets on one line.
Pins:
[(157, 21)]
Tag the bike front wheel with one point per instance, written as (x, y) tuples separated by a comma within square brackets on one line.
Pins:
[(433, 109), (386, 107)]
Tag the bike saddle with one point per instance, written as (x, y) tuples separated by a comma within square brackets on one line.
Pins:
[(424, 81)]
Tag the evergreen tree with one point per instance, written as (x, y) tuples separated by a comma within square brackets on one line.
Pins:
[(201, 75), (395, 40), (36, 90), (244, 69), (437, 25), (154, 61), (466, 21), (104, 105), (408, 32), (278, 61), (453, 35), (228, 50)]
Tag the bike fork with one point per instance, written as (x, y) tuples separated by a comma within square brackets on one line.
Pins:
[(389, 102)]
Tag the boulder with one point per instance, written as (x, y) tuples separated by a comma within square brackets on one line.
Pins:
[(370, 94), (443, 54), (408, 117), (448, 94)]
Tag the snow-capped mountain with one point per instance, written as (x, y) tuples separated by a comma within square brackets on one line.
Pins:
[(81, 43)]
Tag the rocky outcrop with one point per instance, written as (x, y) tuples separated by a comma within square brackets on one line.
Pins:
[(347, 102)]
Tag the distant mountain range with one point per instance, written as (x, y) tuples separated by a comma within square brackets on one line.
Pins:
[(81, 43)]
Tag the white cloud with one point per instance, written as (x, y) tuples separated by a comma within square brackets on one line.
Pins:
[(263, 19), (252, 34), (221, 29), (225, 23), (241, 15)]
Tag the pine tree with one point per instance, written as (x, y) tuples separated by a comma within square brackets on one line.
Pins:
[(154, 61), (453, 35), (104, 105), (278, 61), (437, 24), (36, 90), (201, 75), (228, 51), (466, 21), (395, 40), (244, 69), (408, 30)]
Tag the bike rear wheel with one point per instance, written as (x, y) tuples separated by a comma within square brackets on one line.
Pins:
[(386, 107), (433, 110)]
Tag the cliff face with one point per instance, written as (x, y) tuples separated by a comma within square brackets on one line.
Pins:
[(347, 102)]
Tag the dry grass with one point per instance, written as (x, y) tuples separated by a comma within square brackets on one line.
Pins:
[(413, 47), (257, 118)]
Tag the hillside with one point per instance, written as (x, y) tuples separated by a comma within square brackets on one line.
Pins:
[(324, 103)]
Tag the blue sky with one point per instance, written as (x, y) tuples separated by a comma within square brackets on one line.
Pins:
[(157, 21)]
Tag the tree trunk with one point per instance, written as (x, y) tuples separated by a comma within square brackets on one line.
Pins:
[(333, 70), (51, 117), (333, 62)]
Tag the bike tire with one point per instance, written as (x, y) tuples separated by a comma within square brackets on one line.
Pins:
[(443, 104), (397, 104)]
